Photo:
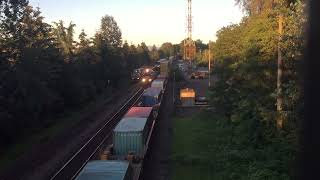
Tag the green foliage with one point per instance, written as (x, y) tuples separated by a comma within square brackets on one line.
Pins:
[(44, 73), (200, 46), (166, 50), (154, 54), (206, 146), (110, 31), (244, 97), (64, 37), (136, 57)]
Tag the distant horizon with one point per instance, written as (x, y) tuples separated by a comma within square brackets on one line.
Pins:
[(143, 21)]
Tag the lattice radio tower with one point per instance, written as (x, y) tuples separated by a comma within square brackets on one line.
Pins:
[(189, 45)]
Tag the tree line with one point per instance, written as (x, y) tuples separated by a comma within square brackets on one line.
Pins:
[(246, 92), (45, 72)]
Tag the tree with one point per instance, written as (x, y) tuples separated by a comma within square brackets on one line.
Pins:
[(279, 7), (166, 50), (10, 18), (64, 37), (154, 54), (145, 53), (26, 84), (83, 41), (110, 31), (256, 6), (200, 46)]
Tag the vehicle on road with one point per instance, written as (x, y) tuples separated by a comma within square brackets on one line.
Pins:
[(200, 73), (197, 75), (200, 100)]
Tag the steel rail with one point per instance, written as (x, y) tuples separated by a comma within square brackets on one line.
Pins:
[(124, 107)]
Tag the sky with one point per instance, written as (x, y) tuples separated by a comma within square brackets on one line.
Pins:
[(149, 21)]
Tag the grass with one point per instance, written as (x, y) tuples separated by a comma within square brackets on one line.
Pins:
[(193, 147), (204, 149)]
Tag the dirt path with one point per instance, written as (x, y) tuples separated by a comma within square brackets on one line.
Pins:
[(45, 158)]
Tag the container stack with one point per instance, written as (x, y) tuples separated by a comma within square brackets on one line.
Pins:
[(164, 68), (158, 83), (151, 96), (130, 136), (95, 170)]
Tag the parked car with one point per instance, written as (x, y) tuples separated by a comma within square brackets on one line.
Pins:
[(201, 100), (197, 75)]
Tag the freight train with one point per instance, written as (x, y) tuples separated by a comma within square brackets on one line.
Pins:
[(147, 74), (123, 159)]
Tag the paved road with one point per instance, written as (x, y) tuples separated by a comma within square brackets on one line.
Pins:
[(199, 85)]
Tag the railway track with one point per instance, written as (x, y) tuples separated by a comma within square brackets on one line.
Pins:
[(73, 166)]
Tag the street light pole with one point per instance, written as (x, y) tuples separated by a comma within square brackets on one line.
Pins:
[(209, 66), (174, 80)]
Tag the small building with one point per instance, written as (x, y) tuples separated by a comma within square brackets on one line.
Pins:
[(187, 97)]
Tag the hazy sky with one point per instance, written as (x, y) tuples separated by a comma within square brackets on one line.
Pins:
[(150, 21)]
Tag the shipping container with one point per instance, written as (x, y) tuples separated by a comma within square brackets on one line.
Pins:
[(164, 68), (106, 170), (158, 83), (151, 96), (161, 77), (130, 136), (143, 112)]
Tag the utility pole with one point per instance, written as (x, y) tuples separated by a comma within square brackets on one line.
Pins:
[(173, 86), (279, 75), (209, 66)]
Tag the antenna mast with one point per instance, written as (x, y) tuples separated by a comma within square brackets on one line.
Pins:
[(189, 44)]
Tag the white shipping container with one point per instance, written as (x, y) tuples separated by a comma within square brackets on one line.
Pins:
[(158, 83), (164, 68)]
